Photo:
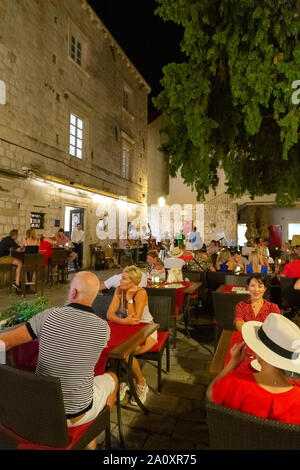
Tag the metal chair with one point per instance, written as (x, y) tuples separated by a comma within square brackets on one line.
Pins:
[(233, 430), (32, 414), (224, 311), (160, 306)]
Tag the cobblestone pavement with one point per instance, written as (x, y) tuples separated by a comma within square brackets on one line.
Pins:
[(177, 416)]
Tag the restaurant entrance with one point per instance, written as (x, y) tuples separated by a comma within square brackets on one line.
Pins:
[(73, 216)]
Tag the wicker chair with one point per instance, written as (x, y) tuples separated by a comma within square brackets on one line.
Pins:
[(32, 414), (233, 430)]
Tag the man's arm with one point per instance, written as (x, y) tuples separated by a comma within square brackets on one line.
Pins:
[(15, 337)]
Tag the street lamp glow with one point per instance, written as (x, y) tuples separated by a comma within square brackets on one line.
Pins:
[(161, 201)]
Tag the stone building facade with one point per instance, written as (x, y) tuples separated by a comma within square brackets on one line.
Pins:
[(73, 117)]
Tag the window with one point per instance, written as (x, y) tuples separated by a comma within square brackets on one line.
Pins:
[(125, 167), (76, 50), (76, 136), (293, 229)]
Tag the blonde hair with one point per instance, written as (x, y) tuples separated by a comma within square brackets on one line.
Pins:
[(134, 274), (224, 256), (31, 234), (255, 258)]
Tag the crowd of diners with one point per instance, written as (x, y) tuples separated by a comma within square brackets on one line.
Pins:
[(34, 243), (272, 338)]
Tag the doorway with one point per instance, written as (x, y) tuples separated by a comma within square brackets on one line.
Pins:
[(73, 216)]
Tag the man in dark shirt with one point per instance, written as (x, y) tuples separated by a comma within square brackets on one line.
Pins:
[(6, 244)]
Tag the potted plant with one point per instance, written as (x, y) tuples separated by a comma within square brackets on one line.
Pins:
[(25, 355)]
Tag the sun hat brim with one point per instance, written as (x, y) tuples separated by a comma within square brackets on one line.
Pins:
[(251, 338), (178, 254)]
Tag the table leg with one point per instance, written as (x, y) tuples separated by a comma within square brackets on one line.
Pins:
[(186, 314), (132, 387)]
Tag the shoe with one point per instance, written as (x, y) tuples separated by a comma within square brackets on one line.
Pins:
[(123, 389), (141, 391), (16, 286)]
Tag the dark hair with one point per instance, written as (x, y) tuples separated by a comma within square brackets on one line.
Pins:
[(260, 279), (61, 230), (13, 232), (236, 252), (294, 257)]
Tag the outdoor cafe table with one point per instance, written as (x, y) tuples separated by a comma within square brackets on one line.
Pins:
[(123, 341)]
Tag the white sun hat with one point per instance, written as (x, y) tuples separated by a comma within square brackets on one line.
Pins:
[(276, 341)]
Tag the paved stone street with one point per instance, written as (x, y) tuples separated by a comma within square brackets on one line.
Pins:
[(177, 416)]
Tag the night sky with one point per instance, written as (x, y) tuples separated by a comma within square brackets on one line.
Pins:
[(148, 41)]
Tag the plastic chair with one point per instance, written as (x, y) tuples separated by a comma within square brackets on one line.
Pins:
[(173, 311), (32, 415), (160, 306), (233, 430)]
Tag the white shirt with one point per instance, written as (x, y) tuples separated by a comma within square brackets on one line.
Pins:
[(77, 236), (173, 263), (195, 240), (114, 281)]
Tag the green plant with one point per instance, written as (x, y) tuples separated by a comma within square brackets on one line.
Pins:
[(22, 311)]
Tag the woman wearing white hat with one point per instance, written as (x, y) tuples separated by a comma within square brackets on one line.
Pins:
[(268, 393)]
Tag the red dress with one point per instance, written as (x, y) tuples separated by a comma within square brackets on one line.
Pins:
[(244, 311), (46, 250), (240, 391)]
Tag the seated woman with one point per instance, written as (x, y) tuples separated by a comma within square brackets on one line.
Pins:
[(224, 262), (256, 308), (46, 248), (129, 306), (156, 268), (268, 393), (201, 262), (31, 241), (255, 264)]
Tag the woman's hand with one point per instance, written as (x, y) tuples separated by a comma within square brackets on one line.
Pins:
[(131, 292), (238, 354), (131, 320)]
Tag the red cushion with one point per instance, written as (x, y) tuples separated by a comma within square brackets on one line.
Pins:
[(23, 444), (162, 337)]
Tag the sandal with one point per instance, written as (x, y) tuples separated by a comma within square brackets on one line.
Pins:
[(141, 391), (123, 389)]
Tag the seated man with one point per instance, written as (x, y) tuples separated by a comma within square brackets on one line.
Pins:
[(6, 244), (114, 281), (292, 269), (71, 339), (62, 240), (268, 393)]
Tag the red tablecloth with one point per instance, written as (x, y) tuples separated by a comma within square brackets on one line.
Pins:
[(25, 356), (227, 289), (179, 292)]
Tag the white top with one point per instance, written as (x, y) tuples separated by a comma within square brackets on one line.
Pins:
[(174, 263), (246, 250), (195, 240), (114, 281), (77, 236)]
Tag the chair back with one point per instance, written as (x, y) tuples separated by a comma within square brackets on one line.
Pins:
[(195, 276), (237, 280), (35, 260), (233, 430), (59, 257), (289, 296), (224, 308), (101, 304), (161, 305), (32, 406), (215, 280)]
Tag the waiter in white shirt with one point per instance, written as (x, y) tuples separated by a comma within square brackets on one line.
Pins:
[(77, 238), (195, 240)]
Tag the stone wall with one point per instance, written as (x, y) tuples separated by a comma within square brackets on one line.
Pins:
[(44, 85), (220, 216)]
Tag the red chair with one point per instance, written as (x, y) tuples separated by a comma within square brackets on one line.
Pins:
[(32, 415)]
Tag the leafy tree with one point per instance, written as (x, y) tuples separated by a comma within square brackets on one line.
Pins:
[(230, 104)]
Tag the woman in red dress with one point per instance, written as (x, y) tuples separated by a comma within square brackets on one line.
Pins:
[(45, 249), (256, 308), (269, 393)]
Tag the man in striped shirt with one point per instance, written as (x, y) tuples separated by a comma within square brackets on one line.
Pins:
[(71, 339)]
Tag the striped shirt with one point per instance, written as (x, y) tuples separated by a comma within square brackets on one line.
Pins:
[(71, 339)]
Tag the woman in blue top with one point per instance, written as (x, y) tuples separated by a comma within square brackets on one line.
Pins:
[(224, 262), (255, 264)]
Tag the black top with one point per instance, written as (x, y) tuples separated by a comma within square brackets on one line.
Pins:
[(5, 245)]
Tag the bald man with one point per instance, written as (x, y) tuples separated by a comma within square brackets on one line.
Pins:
[(71, 339)]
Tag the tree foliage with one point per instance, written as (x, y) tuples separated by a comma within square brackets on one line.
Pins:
[(229, 105)]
